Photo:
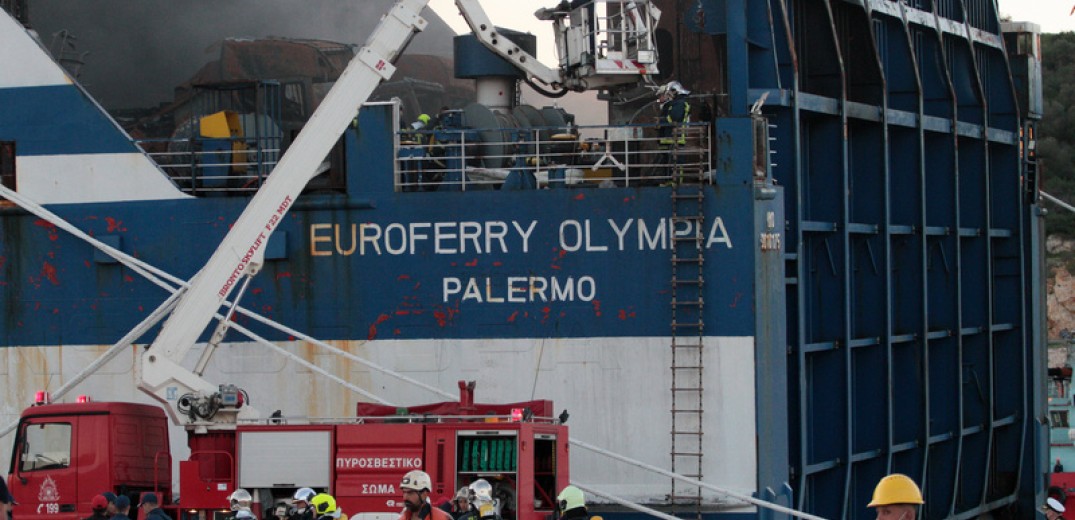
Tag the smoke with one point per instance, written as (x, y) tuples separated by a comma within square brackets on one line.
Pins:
[(139, 50)]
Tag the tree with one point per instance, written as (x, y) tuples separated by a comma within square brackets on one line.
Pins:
[(1056, 132)]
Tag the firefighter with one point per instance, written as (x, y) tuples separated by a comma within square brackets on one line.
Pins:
[(460, 503), (571, 505), (300, 503), (896, 497), (99, 505), (1053, 509), (240, 501), (483, 505), (675, 111), (416, 486), (324, 506)]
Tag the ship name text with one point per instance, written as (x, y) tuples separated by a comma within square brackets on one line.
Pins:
[(500, 237)]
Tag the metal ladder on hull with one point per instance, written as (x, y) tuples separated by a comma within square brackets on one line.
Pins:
[(687, 244)]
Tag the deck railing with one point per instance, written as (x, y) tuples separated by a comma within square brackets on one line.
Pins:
[(534, 158)]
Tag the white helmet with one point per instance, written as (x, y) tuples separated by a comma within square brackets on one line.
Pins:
[(416, 480), (673, 88), (304, 495), (675, 85), (240, 499), (481, 490)]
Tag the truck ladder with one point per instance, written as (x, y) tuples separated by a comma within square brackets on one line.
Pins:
[(688, 324)]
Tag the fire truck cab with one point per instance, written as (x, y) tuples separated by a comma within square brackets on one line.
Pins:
[(65, 454)]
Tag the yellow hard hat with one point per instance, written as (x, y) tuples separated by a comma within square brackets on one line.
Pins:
[(323, 503), (896, 489)]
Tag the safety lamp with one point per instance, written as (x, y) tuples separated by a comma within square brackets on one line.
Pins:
[(83, 399), (516, 415), (41, 397)]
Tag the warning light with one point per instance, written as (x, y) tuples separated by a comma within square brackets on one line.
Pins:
[(516, 415), (83, 399), (41, 397)]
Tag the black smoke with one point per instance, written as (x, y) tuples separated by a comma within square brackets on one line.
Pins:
[(137, 51)]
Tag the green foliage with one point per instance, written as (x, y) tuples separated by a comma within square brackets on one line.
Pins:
[(1056, 133)]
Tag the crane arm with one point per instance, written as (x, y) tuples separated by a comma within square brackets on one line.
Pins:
[(487, 33)]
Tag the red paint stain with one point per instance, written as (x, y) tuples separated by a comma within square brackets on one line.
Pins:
[(266, 308), (417, 285), (472, 263), (403, 313), (84, 262), (735, 302), (622, 315), (511, 319), (3, 260), (580, 196), (597, 307), (396, 331), (50, 227), (37, 306), (445, 316), (140, 309), (282, 275), (257, 290), (453, 264), (498, 264), (51, 254), (404, 277), (49, 272), (56, 310), (114, 225), (127, 278), (373, 328)]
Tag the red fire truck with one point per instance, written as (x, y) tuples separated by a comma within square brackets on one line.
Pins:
[(64, 454)]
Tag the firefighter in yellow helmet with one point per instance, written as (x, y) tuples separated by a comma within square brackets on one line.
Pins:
[(571, 505), (896, 497)]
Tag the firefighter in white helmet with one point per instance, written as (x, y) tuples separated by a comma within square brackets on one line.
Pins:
[(240, 501), (483, 505), (300, 503), (896, 497), (416, 486)]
